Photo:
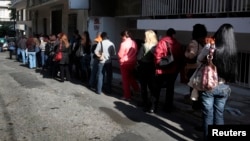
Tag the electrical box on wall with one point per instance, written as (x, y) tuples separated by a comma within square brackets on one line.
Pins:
[(78, 4)]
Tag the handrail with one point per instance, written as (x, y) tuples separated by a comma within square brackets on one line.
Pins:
[(180, 7)]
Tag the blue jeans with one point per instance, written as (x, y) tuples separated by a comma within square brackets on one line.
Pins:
[(213, 104), (32, 59), (104, 69), (24, 58), (93, 74), (44, 58), (99, 78), (18, 54)]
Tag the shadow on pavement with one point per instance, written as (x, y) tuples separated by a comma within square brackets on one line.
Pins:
[(184, 132)]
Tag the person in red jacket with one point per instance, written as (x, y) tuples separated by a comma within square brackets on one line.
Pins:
[(128, 58), (165, 77)]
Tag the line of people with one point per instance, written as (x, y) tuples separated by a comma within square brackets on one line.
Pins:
[(79, 57), (81, 60)]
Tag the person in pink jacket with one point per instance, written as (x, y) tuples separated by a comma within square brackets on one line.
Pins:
[(127, 58)]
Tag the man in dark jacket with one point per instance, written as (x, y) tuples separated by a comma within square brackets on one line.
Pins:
[(165, 77)]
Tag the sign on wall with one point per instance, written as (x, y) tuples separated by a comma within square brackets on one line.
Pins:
[(78, 4), (96, 24)]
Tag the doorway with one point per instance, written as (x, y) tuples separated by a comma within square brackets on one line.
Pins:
[(56, 21)]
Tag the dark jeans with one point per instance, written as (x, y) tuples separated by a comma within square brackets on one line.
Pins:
[(64, 68), (38, 59), (85, 67), (11, 53), (108, 76), (78, 72), (54, 68), (146, 73)]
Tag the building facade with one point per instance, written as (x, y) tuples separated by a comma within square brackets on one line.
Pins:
[(4, 11), (48, 17)]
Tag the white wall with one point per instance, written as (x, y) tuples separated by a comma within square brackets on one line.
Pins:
[(113, 27), (184, 28), (106, 24), (241, 25)]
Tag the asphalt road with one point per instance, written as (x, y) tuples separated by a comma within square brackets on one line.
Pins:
[(34, 108)]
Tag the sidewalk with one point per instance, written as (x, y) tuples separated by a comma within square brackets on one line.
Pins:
[(237, 110)]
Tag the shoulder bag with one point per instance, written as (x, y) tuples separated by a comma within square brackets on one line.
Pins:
[(205, 78), (58, 55), (166, 61)]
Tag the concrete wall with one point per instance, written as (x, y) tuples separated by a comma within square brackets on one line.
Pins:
[(112, 26), (184, 28)]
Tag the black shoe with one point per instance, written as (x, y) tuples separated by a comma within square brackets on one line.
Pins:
[(198, 128)]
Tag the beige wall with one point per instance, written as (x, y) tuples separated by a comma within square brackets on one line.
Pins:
[(45, 12)]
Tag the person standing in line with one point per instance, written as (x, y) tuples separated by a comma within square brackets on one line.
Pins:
[(169, 74), (30, 43), (64, 47), (22, 46), (105, 65), (94, 61), (11, 48), (192, 51), (43, 42), (146, 67), (53, 44), (18, 49), (85, 60), (75, 64), (127, 58), (37, 50), (225, 59)]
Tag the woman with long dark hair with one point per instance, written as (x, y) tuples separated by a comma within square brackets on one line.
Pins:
[(225, 59)]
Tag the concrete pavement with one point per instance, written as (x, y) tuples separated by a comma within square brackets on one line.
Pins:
[(34, 107), (160, 126)]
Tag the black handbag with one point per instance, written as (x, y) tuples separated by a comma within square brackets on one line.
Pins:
[(166, 61)]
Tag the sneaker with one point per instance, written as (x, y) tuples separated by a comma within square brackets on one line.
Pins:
[(152, 109)]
